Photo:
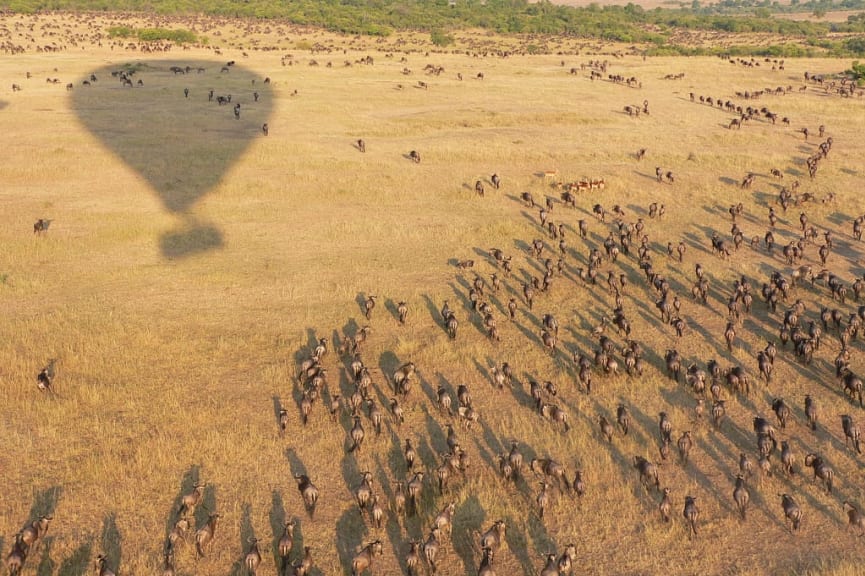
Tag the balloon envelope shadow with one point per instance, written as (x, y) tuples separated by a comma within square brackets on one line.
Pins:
[(181, 125)]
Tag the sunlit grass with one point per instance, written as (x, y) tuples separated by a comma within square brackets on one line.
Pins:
[(165, 365)]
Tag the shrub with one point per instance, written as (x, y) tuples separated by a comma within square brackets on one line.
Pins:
[(439, 38)]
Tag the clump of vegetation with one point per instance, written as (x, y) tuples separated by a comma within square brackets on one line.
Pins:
[(439, 38), (155, 34), (857, 71)]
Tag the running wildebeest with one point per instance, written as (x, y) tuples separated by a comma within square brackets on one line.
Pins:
[(369, 305)]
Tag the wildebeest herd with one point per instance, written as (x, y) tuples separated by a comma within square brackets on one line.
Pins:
[(412, 490)]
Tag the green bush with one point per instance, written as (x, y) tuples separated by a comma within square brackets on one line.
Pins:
[(153, 34), (855, 46), (857, 71), (439, 38)]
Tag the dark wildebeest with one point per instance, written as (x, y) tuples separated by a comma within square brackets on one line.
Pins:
[(41, 225), (479, 188)]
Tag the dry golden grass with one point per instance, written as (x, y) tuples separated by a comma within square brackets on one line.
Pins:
[(172, 356)]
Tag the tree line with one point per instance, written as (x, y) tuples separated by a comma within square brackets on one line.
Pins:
[(628, 23)]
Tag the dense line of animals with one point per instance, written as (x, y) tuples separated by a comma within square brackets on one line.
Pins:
[(482, 305)]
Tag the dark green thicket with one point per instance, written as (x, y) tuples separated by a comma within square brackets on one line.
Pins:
[(154, 34), (857, 71)]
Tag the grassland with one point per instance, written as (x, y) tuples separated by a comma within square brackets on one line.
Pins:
[(178, 298)]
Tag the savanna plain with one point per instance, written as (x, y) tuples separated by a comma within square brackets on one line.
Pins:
[(192, 263)]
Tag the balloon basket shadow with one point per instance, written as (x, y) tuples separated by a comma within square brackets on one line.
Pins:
[(195, 240)]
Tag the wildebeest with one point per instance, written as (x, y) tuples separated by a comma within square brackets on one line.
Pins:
[(492, 538), (741, 496), (648, 473), (821, 470), (792, 512), (852, 433), (41, 226), (551, 469), (855, 519), (479, 188), (691, 513), (364, 559)]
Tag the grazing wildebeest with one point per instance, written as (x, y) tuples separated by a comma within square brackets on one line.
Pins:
[(414, 156), (41, 226)]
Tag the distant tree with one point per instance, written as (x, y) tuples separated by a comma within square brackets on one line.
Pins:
[(857, 71), (439, 38)]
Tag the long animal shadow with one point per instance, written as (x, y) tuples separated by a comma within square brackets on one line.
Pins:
[(392, 524), (111, 541), (434, 312), (297, 468), (182, 145), (518, 544), (350, 523), (469, 513), (360, 300), (277, 408), (247, 536), (190, 478), (206, 507), (46, 564), (391, 307), (77, 563), (45, 503), (278, 518)]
